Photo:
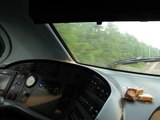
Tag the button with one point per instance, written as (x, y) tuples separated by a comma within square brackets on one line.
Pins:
[(19, 83), (12, 88), (91, 108), (18, 75), (41, 85), (16, 82), (22, 76), (96, 112)]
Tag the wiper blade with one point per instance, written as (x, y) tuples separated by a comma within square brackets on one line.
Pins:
[(133, 60)]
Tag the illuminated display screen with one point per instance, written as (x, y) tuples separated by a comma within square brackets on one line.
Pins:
[(4, 79)]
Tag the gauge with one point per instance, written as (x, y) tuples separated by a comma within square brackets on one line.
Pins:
[(31, 80)]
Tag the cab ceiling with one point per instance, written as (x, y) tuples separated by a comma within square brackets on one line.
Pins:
[(80, 11)]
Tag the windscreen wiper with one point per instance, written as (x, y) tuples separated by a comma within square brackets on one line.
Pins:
[(133, 60)]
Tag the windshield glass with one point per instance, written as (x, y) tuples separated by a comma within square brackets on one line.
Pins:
[(131, 46)]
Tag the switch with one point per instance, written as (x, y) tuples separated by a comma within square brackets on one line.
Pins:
[(25, 93)]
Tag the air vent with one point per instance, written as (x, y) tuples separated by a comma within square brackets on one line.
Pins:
[(2, 47)]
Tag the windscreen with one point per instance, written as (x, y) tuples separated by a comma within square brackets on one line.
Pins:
[(131, 46)]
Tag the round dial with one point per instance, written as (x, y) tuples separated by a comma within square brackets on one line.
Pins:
[(30, 81)]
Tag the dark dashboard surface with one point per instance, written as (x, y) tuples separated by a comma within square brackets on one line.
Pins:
[(54, 90), (45, 89)]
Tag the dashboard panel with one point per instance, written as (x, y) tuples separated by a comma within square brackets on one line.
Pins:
[(56, 90)]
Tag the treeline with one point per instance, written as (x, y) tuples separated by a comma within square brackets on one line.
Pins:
[(94, 44)]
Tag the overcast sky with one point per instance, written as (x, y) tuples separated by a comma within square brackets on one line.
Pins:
[(148, 32)]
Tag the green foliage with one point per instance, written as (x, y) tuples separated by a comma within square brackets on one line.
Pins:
[(93, 44)]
